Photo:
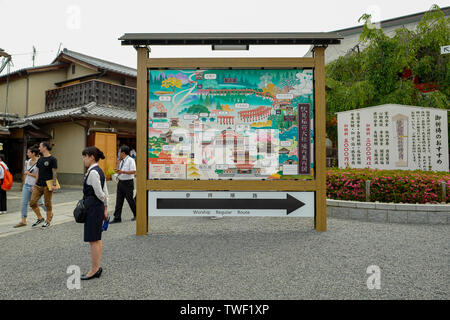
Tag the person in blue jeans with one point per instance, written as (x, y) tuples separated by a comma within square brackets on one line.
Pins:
[(30, 176)]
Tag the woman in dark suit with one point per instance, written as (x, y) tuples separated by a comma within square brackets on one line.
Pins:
[(95, 194)]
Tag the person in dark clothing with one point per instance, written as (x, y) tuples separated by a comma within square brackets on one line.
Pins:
[(47, 165), (125, 186), (95, 195)]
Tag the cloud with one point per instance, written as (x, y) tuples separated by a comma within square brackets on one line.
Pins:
[(306, 84)]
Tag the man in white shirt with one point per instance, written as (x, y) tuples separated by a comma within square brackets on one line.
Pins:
[(125, 186)]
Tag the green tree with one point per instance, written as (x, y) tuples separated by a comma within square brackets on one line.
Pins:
[(373, 76), (207, 101)]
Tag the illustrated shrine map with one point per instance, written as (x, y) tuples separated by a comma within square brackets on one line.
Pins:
[(226, 124)]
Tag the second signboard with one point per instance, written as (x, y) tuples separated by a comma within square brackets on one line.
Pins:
[(394, 137)]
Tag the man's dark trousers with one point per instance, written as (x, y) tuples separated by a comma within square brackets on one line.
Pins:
[(124, 191)]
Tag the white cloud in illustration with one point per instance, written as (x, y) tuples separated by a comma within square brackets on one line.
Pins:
[(306, 84)]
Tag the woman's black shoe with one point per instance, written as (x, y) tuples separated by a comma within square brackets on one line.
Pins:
[(95, 275)]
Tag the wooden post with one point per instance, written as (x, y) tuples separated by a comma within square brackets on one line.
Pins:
[(141, 142), (320, 220)]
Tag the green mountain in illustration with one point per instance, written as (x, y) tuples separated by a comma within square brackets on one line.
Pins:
[(195, 109)]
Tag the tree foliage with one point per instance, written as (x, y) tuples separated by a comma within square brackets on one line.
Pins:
[(171, 82), (373, 76)]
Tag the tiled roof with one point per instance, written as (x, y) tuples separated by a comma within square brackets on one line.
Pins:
[(99, 63), (89, 110), (34, 69)]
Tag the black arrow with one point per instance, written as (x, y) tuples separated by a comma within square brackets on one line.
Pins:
[(290, 204)]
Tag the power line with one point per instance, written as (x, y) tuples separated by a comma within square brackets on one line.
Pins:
[(30, 53)]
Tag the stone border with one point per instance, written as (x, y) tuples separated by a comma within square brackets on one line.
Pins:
[(389, 212)]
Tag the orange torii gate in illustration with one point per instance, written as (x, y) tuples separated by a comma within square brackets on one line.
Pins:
[(225, 119), (255, 114)]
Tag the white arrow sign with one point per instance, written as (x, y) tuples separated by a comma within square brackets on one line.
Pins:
[(231, 204), (445, 49)]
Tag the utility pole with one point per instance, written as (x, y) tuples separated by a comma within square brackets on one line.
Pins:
[(6, 61), (59, 49), (34, 54)]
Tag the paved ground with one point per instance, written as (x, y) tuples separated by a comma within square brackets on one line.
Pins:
[(63, 200), (231, 258)]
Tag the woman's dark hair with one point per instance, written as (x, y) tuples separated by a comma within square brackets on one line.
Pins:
[(47, 145), (93, 151), (125, 149), (34, 149)]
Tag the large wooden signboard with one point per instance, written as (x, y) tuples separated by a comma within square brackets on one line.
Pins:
[(244, 133)]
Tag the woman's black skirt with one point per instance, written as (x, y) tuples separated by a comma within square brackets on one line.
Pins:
[(93, 226)]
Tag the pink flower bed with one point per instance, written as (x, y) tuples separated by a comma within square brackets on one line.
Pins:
[(387, 185)]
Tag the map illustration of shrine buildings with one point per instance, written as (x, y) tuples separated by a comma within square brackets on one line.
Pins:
[(230, 124)]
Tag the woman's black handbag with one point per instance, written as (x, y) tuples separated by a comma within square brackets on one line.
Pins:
[(80, 212)]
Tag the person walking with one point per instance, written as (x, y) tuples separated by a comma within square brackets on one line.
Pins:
[(125, 186), (3, 168), (95, 195), (47, 166), (29, 178)]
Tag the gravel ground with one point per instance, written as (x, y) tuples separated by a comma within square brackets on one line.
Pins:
[(231, 258)]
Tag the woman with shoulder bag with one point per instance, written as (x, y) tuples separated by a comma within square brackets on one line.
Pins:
[(95, 194), (29, 179)]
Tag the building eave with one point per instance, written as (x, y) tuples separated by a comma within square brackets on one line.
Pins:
[(164, 39), (95, 63), (27, 71)]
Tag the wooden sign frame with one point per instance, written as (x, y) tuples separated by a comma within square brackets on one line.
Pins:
[(318, 185)]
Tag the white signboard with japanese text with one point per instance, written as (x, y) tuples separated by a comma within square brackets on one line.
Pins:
[(394, 137)]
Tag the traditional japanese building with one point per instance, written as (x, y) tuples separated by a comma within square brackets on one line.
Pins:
[(74, 102)]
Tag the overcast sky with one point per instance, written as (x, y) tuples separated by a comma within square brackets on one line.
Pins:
[(93, 27)]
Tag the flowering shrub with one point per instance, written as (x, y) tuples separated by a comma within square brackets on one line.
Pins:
[(387, 185)]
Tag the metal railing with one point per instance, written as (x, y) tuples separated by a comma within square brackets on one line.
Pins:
[(79, 94)]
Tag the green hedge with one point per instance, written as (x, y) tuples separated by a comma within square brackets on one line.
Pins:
[(387, 185)]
